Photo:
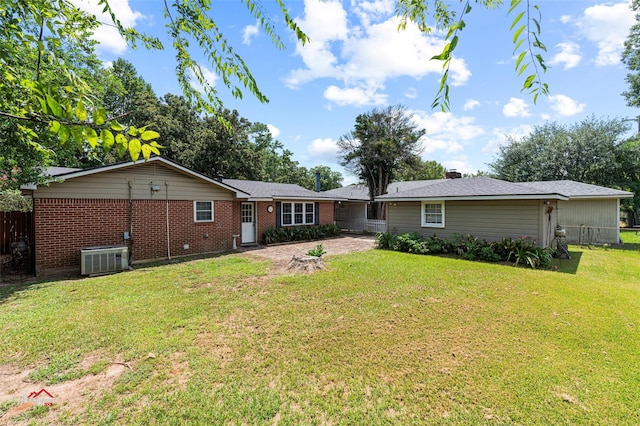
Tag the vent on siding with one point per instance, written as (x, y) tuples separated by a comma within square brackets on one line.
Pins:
[(103, 259)]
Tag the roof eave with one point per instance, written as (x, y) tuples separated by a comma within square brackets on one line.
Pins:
[(600, 197), (481, 198)]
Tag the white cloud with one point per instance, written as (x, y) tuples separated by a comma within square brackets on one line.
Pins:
[(516, 108), (368, 11), (607, 25), (351, 54), (470, 104), (569, 55), (108, 37), (565, 19), (356, 96), (565, 106), (275, 132), (248, 33), (445, 132), (411, 93), (500, 136), (324, 148), (209, 76)]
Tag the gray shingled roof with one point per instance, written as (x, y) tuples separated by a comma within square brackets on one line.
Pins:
[(272, 190), (356, 191), (471, 188), (57, 171), (360, 191), (494, 188), (574, 189)]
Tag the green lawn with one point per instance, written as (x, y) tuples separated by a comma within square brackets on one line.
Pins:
[(379, 338)]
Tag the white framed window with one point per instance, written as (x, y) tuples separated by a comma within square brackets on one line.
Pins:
[(433, 214), (203, 211), (298, 214)]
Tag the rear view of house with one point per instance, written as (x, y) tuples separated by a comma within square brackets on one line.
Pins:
[(134, 212)]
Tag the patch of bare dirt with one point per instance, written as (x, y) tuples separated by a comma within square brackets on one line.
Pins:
[(281, 254), (69, 398)]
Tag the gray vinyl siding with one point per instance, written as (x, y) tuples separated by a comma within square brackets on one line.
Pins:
[(114, 184), (590, 221), (490, 220)]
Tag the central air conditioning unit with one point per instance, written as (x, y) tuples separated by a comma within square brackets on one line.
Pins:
[(103, 259)]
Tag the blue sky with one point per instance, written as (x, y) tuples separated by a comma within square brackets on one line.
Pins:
[(357, 61)]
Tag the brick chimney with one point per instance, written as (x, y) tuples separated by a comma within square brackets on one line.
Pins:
[(453, 174)]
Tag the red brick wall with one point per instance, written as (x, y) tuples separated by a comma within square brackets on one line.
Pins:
[(265, 219), (326, 213), (64, 226)]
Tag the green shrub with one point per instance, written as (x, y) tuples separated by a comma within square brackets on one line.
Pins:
[(410, 243), (301, 233), (435, 245), (385, 241), (318, 251), (488, 254), (520, 251)]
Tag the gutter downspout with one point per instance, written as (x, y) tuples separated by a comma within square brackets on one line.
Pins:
[(130, 223), (166, 191)]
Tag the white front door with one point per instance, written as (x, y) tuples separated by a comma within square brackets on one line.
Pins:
[(248, 223)]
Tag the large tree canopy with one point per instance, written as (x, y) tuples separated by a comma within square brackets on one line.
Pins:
[(631, 57), (381, 143), (418, 169), (592, 151), (585, 152), (68, 110)]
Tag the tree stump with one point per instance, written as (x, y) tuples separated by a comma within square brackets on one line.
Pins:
[(306, 263)]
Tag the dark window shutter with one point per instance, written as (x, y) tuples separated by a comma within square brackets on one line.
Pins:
[(278, 214), (316, 212)]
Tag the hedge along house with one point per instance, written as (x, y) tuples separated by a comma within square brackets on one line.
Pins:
[(280, 205), (492, 209), (158, 209)]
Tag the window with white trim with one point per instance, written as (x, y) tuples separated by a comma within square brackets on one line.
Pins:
[(433, 214), (203, 211), (297, 214)]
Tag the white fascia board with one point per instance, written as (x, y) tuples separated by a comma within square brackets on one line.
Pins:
[(480, 198), (599, 197)]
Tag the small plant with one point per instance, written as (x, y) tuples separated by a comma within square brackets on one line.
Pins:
[(488, 254), (385, 241), (318, 251)]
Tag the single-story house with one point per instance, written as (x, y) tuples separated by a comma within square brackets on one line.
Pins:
[(158, 209), (492, 209)]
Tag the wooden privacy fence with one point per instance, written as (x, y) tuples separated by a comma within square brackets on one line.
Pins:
[(13, 226)]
